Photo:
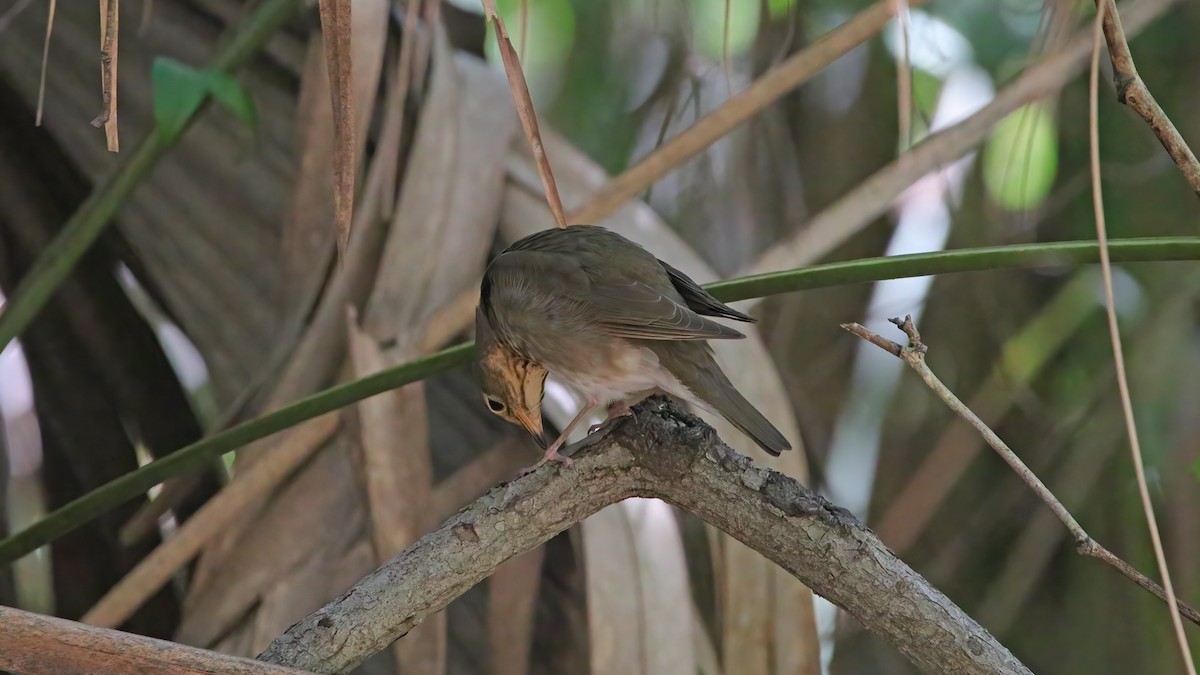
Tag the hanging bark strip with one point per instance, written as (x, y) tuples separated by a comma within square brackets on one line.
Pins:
[(109, 27), (335, 26)]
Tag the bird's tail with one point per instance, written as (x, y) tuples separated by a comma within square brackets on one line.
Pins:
[(718, 394)]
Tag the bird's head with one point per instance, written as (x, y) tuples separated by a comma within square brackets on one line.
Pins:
[(512, 385)]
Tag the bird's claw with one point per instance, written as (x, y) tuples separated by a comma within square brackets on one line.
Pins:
[(615, 412), (552, 455)]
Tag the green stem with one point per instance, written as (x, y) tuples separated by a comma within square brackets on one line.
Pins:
[(106, 497), (59, 258)]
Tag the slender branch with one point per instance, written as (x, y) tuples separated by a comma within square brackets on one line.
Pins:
[(1133, 92), (1106, 13), (33, 644), (914, 356), (102, 499), (664, 453)]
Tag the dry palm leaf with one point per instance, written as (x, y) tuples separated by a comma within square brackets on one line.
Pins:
[(448, 208)]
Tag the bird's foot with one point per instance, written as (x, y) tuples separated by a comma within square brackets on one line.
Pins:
[(615, 411), (552, 455)]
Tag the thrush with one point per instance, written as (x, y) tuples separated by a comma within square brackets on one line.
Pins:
[(610, 320)]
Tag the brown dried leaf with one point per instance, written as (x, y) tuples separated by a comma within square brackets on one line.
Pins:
[(307, 519), (450, 199), (110, 15), (336, 28), (306, 236), (399, 484)]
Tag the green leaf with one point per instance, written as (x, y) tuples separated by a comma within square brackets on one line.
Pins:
[(778, 9), (233, 97), (1021, 158), (178, 92)]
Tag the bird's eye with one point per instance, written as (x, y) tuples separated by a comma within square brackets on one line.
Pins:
[(496, 406)]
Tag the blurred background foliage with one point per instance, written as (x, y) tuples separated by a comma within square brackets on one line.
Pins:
[(167, 324)]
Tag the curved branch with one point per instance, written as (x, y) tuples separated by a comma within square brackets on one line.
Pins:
[(660, 452)]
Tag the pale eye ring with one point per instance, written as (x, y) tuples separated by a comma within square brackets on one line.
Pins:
[(495, 406)]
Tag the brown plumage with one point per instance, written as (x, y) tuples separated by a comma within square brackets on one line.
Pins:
[(609, 319)]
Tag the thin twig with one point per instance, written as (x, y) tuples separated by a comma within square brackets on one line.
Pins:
[(725, 50), (109, 27), (904, 84), (525, 111), (1133, 92), (914, 356), (1114, 330), (37, 121)]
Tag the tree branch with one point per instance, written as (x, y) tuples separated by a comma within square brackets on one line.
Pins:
[(914, 356), (660, 452), (33, 644), (1133, 92)]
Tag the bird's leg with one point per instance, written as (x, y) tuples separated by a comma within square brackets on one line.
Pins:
[(552, 454), (617, 409)]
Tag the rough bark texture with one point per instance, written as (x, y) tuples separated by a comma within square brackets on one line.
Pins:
[(661, 452)]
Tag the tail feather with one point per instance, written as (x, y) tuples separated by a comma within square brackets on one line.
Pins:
[(741, 414), (696, 369)]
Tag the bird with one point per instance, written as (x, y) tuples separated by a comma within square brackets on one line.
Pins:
[(610, 320)]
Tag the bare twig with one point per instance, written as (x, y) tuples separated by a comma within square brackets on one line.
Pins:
[(914, 356), (1133, 92), (41, 103), (904, 84), (336, 29), (33, 644), (744, 105), (728, 68), (660, 452), (1114, 330), (526, 112), (109, 28)]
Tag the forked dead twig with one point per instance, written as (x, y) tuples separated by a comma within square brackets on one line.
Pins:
[(914, 355)]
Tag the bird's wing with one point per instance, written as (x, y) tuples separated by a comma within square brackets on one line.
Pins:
[(700, 300), (561, 287)]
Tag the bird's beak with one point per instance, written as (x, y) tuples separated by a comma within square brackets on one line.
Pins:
[(532, 422)]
